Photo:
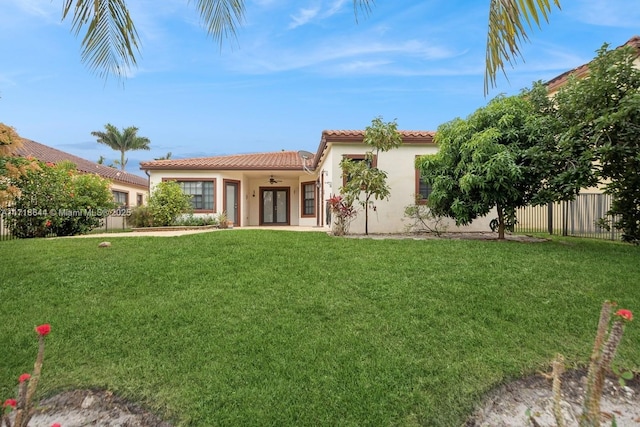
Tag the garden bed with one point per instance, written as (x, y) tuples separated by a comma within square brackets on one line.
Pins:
[(175, 228)]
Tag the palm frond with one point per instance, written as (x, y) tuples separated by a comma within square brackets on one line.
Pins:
[(111, 42), (221, 17), (507, 30), (364, 5)]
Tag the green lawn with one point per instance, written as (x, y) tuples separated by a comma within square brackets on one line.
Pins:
[(258, 327)]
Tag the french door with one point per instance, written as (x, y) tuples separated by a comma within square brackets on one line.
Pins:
[(274, 206)]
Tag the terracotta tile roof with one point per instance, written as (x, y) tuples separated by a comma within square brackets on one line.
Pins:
[(407, 135), (45, 153), (288, 160), (557, 82), (356, 136), (279, 160)]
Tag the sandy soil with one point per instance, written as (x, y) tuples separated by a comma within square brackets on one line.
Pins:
[(529, 402), (513, 405)]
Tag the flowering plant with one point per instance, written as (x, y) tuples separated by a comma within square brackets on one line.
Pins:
[(27, 384), (343, 212)]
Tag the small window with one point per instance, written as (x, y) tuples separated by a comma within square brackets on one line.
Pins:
[(121, 198), (139, 199), (423, 189), (201, 193), (358, 158), (308, 192)]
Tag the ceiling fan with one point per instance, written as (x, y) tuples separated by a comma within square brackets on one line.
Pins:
[(272, 180)]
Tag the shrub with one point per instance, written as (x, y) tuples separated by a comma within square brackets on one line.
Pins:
[(190, 220), (167, 202), (50, 199), (422, 219), (140, 217)]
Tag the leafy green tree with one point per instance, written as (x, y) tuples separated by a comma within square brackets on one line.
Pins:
[(364, 180), (167, 202), (110, 44), (600, 116), (124, 141), (502, 156), (53, 199)]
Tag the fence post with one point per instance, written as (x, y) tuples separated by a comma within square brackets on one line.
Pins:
[(550, 217), (565, 217)]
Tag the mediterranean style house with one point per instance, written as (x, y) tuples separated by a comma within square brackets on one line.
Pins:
[(292, 188), (128, 189)]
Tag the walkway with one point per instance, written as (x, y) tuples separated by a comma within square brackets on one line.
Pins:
[(174, 233)]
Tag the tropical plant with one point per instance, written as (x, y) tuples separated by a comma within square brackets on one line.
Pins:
[(111, 44), (124, 141), (343, 213), (167, 202), (503, 156), (364, 181), (27, 384)]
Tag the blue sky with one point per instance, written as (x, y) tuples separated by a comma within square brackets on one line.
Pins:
[(295, 69)]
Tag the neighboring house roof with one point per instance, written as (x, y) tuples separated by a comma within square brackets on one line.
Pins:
[(279, 160), (45, 153), (288, 160), (557, 82)]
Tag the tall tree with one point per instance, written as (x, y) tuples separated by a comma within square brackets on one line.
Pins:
[(124, 141), (9, 140), (364, 181), (502, 156), (111, 43), (601, 117)]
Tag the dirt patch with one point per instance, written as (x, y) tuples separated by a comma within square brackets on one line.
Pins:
[(511, 405), (515, 404), (98, 408), (452, 236)]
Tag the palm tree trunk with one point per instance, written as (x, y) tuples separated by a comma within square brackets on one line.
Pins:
[(122, 159)]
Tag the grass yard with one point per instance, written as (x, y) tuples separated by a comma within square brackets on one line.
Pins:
[(258, 327)]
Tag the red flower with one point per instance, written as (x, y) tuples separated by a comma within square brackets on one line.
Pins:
[(50, 164), (43, 330), (56, 425), (24, 377), (625, 314), (10, 402), (48, 223)]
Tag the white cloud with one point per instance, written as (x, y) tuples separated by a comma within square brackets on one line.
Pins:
[(608, 13), (339, 55), (303, 17)]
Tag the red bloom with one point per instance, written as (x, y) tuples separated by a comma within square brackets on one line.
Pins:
[(24, 377), (50, 164), (10, 402), (56, 425), (625, 314), (43, 329), (48, 223)]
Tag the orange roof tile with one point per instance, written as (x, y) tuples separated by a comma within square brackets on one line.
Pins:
[(288, 160), (558, 81), (45, 153), (280, 160)]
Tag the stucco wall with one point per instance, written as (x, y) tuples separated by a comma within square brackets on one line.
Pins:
[(399, 164)]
